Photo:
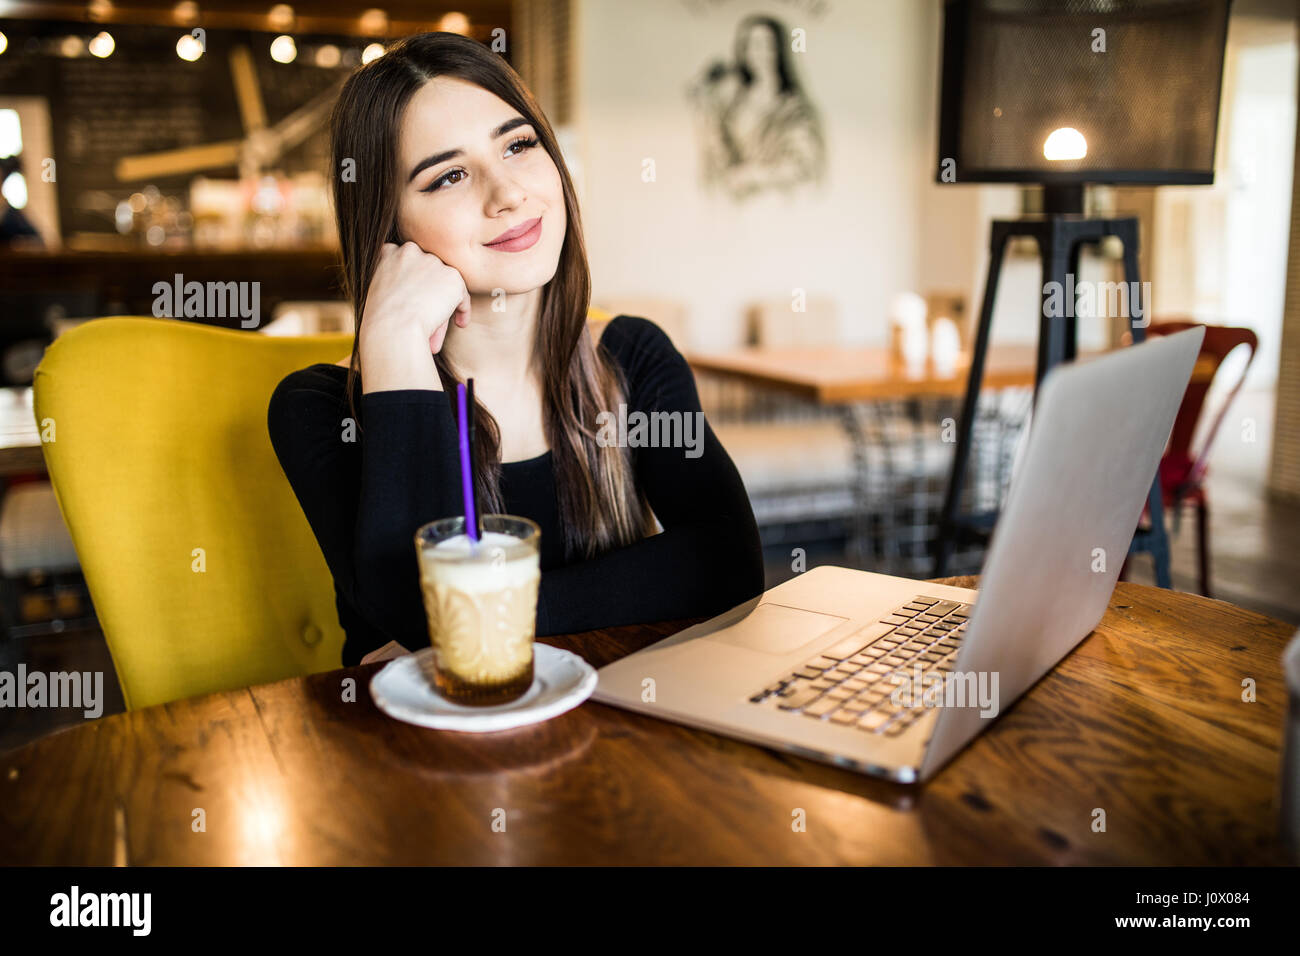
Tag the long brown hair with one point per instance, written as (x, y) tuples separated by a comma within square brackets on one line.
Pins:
[(600, 505)]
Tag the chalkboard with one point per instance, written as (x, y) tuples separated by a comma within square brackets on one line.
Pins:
[(144, 98)]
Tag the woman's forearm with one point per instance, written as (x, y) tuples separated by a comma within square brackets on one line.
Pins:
[(396, 358)]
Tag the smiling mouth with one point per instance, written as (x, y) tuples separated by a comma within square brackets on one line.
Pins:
[(521, 241), (515, 232)]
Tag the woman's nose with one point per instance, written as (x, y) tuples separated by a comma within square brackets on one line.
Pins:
[(505, 191)]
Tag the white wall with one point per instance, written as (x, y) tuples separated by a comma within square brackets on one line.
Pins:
[(870, 70), (880, 224)]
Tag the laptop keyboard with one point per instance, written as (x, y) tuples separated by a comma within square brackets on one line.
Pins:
[(849, 683)]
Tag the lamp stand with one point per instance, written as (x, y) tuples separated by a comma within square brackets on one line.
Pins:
[(1060, 235)]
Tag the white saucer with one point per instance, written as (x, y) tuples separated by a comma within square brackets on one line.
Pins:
[(561, 681)]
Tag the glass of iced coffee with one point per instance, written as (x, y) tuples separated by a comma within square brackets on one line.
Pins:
[(480, 599)]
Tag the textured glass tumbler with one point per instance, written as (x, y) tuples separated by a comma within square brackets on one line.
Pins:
[(480, 600)]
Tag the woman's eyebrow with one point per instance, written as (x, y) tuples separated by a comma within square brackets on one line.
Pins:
[(437, 158)]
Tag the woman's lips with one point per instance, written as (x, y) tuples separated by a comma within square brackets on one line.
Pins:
[(520, 242)]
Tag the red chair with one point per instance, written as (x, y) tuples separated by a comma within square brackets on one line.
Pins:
[(1182, 475)]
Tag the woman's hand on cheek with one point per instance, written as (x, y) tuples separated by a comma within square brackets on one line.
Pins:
[(415, 289)]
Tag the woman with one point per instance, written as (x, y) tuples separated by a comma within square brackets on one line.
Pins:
[(441, 156)]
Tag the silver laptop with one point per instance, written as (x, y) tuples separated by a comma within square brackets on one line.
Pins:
[(892, 677)]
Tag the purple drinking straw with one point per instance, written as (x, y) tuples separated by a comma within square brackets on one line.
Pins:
[(466, 478), (469, 413)]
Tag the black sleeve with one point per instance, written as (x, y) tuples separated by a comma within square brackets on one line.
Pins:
[(707, 559), (365, 514)]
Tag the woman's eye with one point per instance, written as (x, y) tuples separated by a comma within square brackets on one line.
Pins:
[(524, 142), (527, 142), (445, 177)]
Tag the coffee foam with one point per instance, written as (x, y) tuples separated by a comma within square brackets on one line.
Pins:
[(497, 561)]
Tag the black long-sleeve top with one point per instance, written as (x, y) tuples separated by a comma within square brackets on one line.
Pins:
[(364, 499)]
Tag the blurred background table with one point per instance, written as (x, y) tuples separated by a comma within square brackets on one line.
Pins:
[(832, 375), (851, 435)]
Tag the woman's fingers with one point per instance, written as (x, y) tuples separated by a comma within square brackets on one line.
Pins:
[(436, 340), (386, 653)]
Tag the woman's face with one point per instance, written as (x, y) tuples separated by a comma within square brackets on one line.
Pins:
[(760, 49), (498, 179)]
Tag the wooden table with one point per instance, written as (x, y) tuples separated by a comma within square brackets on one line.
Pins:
[(1144, 720), (832, 376)]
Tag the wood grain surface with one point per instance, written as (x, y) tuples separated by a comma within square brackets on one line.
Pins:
[(1144, 720), (834, 375)]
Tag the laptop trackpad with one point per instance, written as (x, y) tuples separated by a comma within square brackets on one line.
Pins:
[(776, 629)]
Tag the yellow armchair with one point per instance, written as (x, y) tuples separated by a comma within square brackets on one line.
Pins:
[(204, 572)]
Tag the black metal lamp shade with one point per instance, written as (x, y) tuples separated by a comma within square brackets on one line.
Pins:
[(1137, 102)]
